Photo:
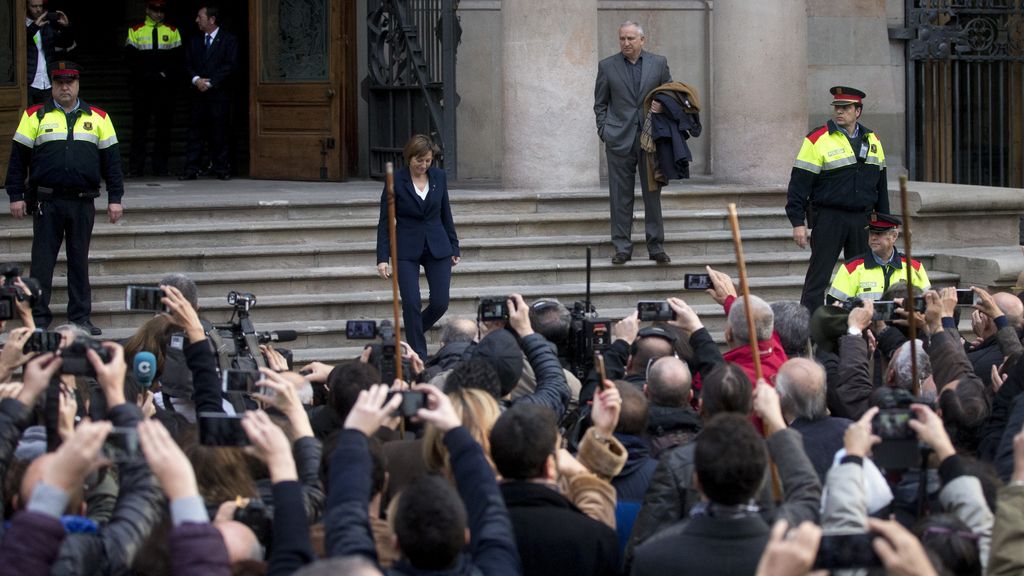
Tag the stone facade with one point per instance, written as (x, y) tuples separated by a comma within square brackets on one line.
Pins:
[(847, 43)]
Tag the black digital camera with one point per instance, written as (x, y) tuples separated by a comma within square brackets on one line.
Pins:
[(493, 308), (75, 360)]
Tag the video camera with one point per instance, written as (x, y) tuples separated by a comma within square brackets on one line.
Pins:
[(238, 342), (588, 333), (382, 354), (10, 294)]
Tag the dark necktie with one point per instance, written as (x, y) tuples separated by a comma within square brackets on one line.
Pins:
[(156, 44), (209, 39)]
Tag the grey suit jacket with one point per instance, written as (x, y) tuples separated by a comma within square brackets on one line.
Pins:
[(617, 107)]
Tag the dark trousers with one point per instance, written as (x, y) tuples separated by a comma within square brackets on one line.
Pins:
[(621, 186), (151, 99), (209, 123), (834, 230), (55, 221), (418, 319)]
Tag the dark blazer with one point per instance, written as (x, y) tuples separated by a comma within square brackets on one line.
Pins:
[(418, 222), (705, 545), (218, 64), (554, 537), (617, 107)]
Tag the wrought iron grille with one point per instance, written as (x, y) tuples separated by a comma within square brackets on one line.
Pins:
[(965, 82), (411, 80)]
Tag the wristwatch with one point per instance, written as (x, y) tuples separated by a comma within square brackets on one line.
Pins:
[(854, 331)]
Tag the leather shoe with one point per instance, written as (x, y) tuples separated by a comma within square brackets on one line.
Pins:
[(621, 258), (89, 327), (188, 176), (223, 176), (660, 258)]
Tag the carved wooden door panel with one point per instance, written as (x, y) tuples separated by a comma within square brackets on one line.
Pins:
[(299, 66)]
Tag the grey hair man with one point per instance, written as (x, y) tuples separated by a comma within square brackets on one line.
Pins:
[(900, 371), (793, 325), (801, 386)]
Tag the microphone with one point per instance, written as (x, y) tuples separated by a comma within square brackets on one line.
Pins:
[(278, 336), (144, 369)]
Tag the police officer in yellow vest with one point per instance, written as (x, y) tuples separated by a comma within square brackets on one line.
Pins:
[(838, 179), (154, 55), (63, 147), (869, 275)]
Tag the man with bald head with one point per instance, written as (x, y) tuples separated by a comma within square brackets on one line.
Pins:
[(801, 386), (671, 421), (998, 330)]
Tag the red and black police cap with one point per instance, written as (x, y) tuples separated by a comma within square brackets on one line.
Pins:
[(64, 70), (843, 95)]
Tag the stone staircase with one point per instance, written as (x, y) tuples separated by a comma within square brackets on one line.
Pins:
[(306, 250)]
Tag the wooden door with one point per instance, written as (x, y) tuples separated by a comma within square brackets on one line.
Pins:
[(299, 88), (12, 74)]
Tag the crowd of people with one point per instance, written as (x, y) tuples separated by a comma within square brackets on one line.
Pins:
[(496, 459)]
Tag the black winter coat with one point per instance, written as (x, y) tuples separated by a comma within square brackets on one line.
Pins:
[(555, 537)]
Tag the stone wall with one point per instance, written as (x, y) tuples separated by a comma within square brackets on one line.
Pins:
[(847, 44)]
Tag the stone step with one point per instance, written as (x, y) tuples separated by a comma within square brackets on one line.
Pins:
[(556, 248), (468, 274), (161, 200), (291, 232)]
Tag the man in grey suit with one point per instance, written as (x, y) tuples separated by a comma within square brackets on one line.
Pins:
[(622, 82)]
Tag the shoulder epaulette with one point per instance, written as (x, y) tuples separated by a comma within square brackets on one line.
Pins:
[(32, 110), (99, 111), (852, 265), (817, 133), (914, 263), (138, 27)]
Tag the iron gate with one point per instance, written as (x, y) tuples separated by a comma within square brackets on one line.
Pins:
[(964, 91), (411, 82)]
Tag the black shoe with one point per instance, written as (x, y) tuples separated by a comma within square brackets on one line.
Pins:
[(660, 258), (89, 327), (621, 257), (188, 176), (223, 176)]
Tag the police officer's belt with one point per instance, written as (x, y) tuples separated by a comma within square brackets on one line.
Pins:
[(46, 193), (841, 208)]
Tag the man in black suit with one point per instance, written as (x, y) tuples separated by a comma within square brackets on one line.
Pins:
[(210, 62), (622, 82)]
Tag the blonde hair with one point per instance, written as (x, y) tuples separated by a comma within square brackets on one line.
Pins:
[(478, 411)]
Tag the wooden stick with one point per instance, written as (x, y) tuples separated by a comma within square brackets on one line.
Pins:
[(908, 304), (389, 179), (755, 352)]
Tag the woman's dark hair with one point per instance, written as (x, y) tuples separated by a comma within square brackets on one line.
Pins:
[(419, 145), (949, 541), (222, 473), (154, 336), (726, 389)]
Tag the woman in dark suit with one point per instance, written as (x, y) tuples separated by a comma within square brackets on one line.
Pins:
[(426, 237)]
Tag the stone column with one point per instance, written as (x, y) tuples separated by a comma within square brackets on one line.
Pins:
[(759, 107), (548, 71)]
